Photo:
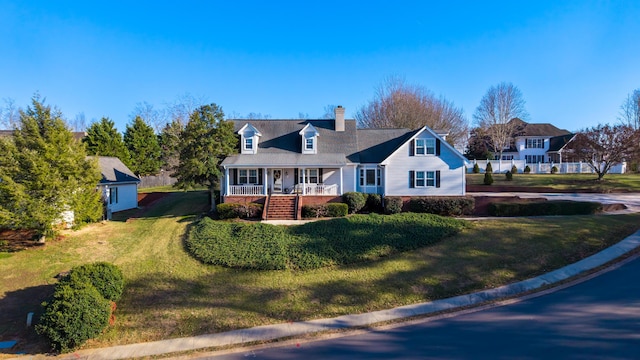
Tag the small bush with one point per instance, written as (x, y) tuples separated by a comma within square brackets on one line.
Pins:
[(392, 205), (445, 206), (106, 278), (325, 210), (527, 169), (539, 208), (74, 315), (476, 168), (489, 168), (554, 169), (355, 201), (508, 176), (514, 169), (242, 211), (488, 178), (374, 203)]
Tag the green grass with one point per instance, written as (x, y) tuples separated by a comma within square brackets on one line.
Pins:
[(169, 294), (314, 245), (610, 183)]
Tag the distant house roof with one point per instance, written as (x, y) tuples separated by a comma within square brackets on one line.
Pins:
[(115, 171), (543, 129)]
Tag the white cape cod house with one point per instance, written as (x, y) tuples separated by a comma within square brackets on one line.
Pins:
[(316, 161)]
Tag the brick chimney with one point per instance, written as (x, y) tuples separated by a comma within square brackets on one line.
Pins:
[(339, 125)]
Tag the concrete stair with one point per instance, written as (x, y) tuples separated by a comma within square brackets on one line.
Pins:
[(281, 208)]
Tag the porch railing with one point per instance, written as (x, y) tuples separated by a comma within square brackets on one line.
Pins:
[(246, 190), (317, 189)]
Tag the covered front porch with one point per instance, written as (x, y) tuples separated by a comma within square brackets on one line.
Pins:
[(306, 181)]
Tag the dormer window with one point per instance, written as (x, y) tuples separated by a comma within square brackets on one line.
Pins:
[(248, 143), (309, 139), (425, 146), (249, 137)]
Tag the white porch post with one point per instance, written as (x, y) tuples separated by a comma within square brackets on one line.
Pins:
[(304, 180), (384, 180), (264, 181), (226, 181), (341, 189), (355, 178)]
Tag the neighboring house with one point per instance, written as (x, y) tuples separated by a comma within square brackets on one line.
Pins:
[(119, 185), (538, 143), (319, 160)]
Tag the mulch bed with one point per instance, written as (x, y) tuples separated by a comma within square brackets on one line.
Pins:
[(482, 203), (145, 199)]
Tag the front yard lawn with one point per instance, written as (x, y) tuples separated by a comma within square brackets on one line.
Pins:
[(170, 294), (564, 182)]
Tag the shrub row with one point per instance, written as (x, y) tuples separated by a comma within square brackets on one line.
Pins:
[(357, 201), (446, 206), (554, 207), (325, 210), (242, 211), (314, 245), (81, 306)]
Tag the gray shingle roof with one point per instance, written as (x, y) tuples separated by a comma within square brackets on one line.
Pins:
[(114, 171), (281, 143), (543, 129)]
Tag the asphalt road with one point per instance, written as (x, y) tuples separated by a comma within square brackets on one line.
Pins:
[(596, 319)]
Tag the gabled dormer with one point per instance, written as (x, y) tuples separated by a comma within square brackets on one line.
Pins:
[(249, 137), (309, 136)]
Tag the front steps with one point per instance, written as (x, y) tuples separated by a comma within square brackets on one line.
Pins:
[(281, 208)]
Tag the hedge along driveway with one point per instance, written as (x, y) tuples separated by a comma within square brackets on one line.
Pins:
[(170, 294), (315, 245)]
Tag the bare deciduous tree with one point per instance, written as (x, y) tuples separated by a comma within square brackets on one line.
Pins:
[(397, 104), (181, 109), (156, 118), (329, 111), (79, 122), (9, 114), (604, 146), (501, 104), (630, 110)]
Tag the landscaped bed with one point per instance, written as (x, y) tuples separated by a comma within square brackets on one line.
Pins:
[(170, 294)]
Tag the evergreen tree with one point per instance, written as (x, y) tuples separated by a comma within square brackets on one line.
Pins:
[(103, 139), (205, 142), (143, 147), (44, 172)]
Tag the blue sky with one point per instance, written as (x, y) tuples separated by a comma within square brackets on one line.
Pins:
[(574, 61)]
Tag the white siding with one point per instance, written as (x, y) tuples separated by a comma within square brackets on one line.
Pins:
[(450, 165), (348, 178), (127, 196)]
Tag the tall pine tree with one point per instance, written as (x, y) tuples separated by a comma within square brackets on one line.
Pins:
[(205, 142), (169, 141), (45, 172), (103, 139), (143, 147)]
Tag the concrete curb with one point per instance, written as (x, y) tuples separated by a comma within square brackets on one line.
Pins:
[(278, 331)]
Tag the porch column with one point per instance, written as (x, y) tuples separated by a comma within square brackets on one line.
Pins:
[(384, 180), (264, 181), (304, 180), (226, 181), (341, 189)]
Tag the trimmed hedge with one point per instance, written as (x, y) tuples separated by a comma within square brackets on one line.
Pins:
[(514, 169), (476, 168), (374, 203), (325, 210), (445, 206), (392, 205), (242, 211), (355, 201), (81, 306), (318, 244), (105, 277), (508, 176), (488, 178), (554, 207)]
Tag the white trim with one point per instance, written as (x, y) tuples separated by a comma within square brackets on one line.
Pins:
[(430, 131)]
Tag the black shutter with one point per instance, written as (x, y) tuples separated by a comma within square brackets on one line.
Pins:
[(320, 181), (438, 178), (412, 148), (437, 147), (295, 176), (260, 177), (235, 177), (412, 179)]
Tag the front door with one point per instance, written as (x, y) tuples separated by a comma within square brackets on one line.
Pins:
[(277, 180)]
